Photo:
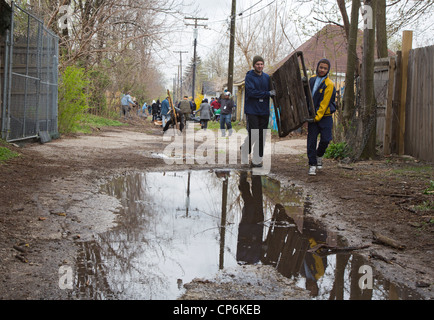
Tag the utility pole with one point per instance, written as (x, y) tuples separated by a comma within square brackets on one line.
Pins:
[(195, 45), (232, 48), (180, 71), (174, 89)]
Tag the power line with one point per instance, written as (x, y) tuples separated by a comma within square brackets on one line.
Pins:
[(259, 10), (241, 13)]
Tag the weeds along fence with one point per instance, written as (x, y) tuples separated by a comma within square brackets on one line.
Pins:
[(29, 78)]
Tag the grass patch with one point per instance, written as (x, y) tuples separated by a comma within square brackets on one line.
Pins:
[(215, 125), (90, 122), (430, 189), (6, 154), (425, 206), (414, 170)]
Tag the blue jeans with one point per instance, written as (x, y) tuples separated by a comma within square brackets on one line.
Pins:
[(225, 121), (324, 128), (165, 118)]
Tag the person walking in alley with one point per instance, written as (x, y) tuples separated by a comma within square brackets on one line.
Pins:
[(257, 108), (125, 102), (216, 108), (226, 106), (185, 108), (205, 112), (323, 95), (165, 111)]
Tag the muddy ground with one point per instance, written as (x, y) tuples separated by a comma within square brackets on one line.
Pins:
[(49, 200)]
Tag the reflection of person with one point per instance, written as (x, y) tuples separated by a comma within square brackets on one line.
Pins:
[(313, 265), (250, 231)]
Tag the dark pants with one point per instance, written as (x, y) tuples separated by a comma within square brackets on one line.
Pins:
[(324, 128), (204, 123), (171, 122), (185, 118), (259, 122)]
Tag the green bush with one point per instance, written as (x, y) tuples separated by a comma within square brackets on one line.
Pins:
[(73, 100), (338, 150)]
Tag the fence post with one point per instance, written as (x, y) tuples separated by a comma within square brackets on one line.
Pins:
[(407, 39), (4, 93), (389, 106)]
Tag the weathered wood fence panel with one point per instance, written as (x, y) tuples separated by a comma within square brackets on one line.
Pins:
[(381, 86), (419, 122), (417, 129)]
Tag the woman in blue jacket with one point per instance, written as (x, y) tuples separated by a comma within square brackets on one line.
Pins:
[(324, 95)]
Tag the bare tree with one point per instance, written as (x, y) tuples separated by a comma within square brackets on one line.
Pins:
[(268, 37)]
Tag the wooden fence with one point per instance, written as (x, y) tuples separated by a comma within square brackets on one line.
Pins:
[(419, 108), (404, 91)]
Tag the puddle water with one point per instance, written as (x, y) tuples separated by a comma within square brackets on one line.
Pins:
[(177, 226)]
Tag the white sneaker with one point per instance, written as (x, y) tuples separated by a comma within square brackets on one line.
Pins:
[(319, 163), (312, 170)]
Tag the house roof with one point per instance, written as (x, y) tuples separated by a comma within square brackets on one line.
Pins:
[(330, 42)]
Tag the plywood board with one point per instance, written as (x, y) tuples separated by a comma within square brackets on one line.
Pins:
[(293, 100)]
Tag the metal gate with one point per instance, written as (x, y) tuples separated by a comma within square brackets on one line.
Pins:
[(30, 78)]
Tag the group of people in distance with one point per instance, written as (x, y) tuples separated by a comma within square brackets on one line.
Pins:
[(258, 92)]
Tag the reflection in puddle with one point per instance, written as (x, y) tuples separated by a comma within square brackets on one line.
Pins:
[(177, 226)]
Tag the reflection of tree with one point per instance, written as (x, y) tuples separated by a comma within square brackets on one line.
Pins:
[(91, 275), (129, 261), (117, 263)]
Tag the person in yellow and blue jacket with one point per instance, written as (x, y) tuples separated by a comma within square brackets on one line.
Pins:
[(324, 96)]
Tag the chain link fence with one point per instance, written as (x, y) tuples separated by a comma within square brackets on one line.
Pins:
[(29, 71)]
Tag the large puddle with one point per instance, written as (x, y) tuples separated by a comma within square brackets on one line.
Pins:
[(177, 226)]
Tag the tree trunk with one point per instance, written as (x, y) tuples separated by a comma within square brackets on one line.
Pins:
[(382, 51), (352, 61), (368, 97), (343, 10)]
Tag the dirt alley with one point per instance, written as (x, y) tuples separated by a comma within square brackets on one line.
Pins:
[(47, 191)]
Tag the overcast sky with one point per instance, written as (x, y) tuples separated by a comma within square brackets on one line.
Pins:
[(218, 12)]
